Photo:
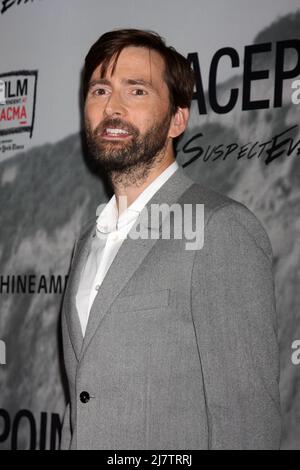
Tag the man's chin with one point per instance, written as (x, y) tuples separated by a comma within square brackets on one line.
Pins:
[(112, 158), (112, 165), (108, 145)]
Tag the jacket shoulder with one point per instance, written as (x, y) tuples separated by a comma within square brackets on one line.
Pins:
[(223, 212), (212, 200)]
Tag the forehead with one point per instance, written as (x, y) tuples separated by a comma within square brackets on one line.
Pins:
[(136, 62)]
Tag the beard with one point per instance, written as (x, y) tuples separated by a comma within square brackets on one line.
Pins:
[(137, 154)]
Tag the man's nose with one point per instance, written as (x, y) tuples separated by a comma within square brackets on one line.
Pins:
[(114, 105)]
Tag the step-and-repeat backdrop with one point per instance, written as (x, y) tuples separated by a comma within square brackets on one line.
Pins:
[(243, 139)]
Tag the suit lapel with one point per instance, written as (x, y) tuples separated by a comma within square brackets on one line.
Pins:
[(130, 256), (80, 256)]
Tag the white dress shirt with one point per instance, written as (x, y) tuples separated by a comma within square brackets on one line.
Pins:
[(111, 231)]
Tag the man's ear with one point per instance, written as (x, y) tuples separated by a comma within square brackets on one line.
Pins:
[(179, 122)]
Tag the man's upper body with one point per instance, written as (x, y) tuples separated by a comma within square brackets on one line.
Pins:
[(165, 347), (111, 230)]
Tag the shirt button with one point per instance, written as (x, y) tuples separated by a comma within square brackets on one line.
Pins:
[(84, 397), (97, 287)]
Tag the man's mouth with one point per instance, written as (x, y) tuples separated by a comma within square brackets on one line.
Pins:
[(115, 133)]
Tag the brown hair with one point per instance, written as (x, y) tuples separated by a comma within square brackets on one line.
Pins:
[(179, 76)]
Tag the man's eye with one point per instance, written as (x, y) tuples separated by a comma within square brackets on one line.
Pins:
[(99, 91), (139, 92)]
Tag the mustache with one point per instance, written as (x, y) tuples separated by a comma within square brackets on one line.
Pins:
[(116, 123)]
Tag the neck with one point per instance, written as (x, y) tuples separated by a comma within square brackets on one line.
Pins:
[(131, 185)]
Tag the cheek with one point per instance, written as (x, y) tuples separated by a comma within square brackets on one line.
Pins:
[(93, 114), (146, 117)]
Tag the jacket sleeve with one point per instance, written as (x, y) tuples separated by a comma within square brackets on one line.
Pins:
[(66, 435), (234, 316)]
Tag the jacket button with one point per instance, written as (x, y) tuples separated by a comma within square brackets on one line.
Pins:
[(84, 397)]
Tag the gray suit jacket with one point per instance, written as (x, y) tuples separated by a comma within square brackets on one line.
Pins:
[(181, 349)]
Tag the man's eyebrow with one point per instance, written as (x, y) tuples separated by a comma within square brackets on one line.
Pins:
[(125, 81), (138, 81), (99, 81)]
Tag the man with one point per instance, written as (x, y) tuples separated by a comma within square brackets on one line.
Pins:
[(166, 347)]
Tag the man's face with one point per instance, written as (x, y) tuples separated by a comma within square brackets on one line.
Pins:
[(127, 114)]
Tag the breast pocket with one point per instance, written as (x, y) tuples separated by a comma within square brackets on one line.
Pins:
[(142, 301)]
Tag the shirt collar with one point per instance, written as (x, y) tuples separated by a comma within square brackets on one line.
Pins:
[(108, 219)]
